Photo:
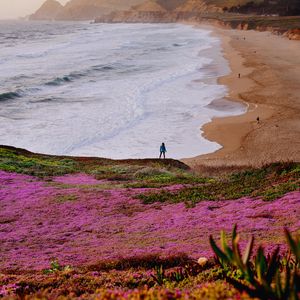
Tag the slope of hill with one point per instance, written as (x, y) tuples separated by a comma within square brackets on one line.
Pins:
[(160, 11), (70, 226), (148, 12), (82, 9), (170, 5), (149, 6), (90, 9), (197, 6), (48, 11)]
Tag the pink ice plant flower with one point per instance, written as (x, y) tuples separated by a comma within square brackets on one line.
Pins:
[(97, 225), (77, 179)]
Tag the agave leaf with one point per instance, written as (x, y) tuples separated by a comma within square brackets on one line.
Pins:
[(263, 291), (234, 233), (219, 253), (273, 266), (237, 254), (278, 286), (268, 291), (287, 287), (260, 264), (242, 287), (248, 251), (225, 246), (250, 274), (293, 244), (223, 240)]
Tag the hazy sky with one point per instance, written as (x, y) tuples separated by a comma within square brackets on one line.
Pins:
[(11, 9)]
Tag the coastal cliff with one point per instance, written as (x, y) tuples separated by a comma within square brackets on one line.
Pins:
[(160, 11), (229, 14)]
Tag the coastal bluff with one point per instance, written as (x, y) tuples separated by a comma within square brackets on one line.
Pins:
[(272, 16), (163, 10)]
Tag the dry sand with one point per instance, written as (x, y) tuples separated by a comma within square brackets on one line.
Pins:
[(270, 84)]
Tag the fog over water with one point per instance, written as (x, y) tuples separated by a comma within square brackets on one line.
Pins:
[(109, 90)]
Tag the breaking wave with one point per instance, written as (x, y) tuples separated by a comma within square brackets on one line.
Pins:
[(9, 96), (108, 90)]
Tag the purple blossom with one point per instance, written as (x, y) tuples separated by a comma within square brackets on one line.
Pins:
[(36, 226)]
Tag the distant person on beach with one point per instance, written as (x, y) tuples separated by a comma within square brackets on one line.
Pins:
[(258, 120), (163, 150), (239, 75)]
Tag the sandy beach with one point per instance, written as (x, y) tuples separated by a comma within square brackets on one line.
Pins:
[(269, 83)]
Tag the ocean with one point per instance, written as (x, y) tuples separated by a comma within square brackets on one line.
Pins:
[(110, 90)]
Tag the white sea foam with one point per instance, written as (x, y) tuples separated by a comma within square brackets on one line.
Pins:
[(109, 90)]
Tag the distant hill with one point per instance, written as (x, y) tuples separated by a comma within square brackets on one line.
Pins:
[(81, 9), (149, 6), (48, 11), (159, 10)]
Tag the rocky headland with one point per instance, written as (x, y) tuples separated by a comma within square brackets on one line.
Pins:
[(78, 10)]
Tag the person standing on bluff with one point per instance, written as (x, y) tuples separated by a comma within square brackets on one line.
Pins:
[(163, 150)]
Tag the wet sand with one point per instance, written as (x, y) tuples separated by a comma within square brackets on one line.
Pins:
[(269, 83)]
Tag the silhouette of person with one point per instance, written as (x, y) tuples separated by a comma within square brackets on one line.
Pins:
[(258, 120), (163, 150)]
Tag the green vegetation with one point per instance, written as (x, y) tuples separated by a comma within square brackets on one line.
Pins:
[(139, 175), (230, 275), (134, 172), (56, 267), (147, 270), (12, 161), (265, 277), (66, 198), (270, 182)]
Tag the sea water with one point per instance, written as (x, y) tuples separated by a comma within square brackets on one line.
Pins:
[(109, 90)]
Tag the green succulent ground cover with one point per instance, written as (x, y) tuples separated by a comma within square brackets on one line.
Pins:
[(14, 161), (270, 182), (132, 173)]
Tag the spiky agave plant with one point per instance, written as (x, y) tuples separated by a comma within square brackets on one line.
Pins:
[(264, 277)]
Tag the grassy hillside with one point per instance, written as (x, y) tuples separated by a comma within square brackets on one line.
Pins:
[(94, 228)]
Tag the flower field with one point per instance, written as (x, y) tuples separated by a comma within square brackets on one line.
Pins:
[(112, 223)]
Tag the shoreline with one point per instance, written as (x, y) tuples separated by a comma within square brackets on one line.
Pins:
[(270, 86)]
